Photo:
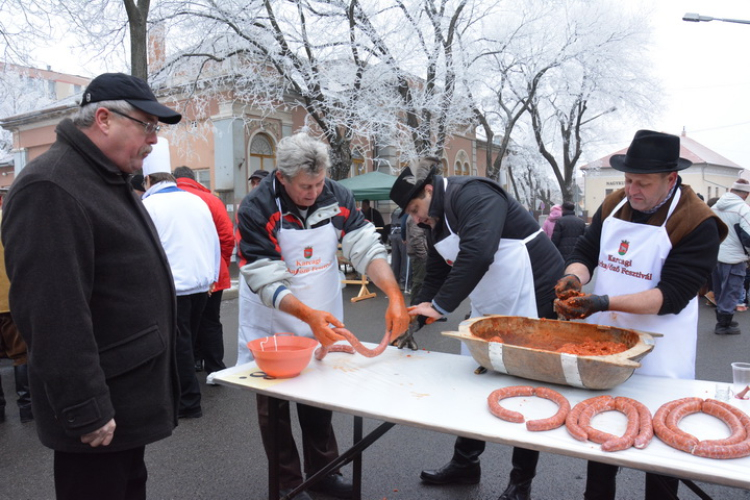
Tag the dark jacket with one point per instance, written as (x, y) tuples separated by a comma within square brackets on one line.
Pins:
[(482, 213), (92, 295), (567, 230)]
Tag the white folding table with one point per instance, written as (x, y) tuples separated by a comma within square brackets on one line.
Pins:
[(440, 392)]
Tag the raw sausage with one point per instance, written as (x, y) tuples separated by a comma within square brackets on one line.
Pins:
[(508, 392), (737, 445), (356, 345), (556, 420), (645, 424), (544, 424), (571, 422)]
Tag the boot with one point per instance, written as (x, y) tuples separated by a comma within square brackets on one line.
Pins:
[(725, 325), (21, 373), (462, 469), (524, 469)]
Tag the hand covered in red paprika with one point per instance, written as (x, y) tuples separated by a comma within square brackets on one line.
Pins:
[(580, 307), (568, 286)]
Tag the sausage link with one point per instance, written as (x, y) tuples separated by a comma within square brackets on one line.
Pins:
[(726, 448), (356, 345), (738, 433), (677, 439), (593, 409), (625, 441), (645, 424), (571, 422), (556, 420), (508, 392)]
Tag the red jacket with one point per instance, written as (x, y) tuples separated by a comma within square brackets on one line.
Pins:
[(223, 223)]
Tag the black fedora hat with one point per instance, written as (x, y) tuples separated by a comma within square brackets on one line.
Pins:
[(651, 153), (406, 187), (122, 87)]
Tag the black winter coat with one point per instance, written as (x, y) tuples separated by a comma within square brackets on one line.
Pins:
[(482, 213), (92, 295), (567, 230)]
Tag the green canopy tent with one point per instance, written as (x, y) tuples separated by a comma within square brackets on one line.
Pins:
[(370, 186)]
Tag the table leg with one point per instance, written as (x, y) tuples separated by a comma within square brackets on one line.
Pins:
[(273, 459), (357, 462)]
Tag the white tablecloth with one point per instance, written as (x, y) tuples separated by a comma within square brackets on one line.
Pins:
[(440, 392)]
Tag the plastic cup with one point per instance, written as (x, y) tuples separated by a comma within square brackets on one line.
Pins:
[(722, 392), (741, 380)]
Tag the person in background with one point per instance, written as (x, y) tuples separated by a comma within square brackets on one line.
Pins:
[(290, 229), (373, 215), (398, 248), (255, 178), (92, 294), (482, 245), (660, 241), (728, 277), (567, 230), (12, 346), (416, 249), (549, 225), (209, 348), (187, 233), (137, 182)]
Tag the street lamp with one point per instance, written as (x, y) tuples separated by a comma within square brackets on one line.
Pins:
[(696, 18)]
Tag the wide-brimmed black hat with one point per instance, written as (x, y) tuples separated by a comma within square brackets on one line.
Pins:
[(122, 87), (651, 153), (406, 187)]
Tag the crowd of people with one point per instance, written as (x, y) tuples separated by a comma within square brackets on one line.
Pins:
[(116, 294)]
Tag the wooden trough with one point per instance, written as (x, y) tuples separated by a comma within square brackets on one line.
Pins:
[(529, 350)]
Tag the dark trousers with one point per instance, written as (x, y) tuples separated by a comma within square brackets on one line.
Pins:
[(728, 280), (189, 312), (318, 440), (119, 475), (601, 484), (467, 450), (210, 341)]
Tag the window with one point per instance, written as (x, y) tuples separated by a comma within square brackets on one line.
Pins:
[(203, 176)]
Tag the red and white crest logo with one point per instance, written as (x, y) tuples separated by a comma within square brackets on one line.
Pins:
[(624, 245), (308, 252)]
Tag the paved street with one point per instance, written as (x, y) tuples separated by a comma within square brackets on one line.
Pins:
[(220, 457)]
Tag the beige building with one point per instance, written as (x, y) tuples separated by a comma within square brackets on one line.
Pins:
[(710, 175)]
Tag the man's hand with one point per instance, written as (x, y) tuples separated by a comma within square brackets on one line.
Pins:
[(396, 317), (102, 436), (568, 286), (581, 307), (320, 322)]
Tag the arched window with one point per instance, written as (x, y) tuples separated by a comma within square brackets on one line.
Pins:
[(262, 155)]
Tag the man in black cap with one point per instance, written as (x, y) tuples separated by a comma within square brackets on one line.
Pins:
[(254, 180), (653, 244), (484, 245), (104, 378)]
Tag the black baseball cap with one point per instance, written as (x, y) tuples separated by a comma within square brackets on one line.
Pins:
[(133, 90), (258, 174)]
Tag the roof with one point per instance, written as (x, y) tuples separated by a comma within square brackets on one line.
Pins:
[(370, 186), (689, 149)]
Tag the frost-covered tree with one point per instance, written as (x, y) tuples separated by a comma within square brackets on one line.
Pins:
[(20, 92)]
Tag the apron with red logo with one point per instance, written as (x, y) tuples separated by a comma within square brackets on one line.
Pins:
[(631, 257)]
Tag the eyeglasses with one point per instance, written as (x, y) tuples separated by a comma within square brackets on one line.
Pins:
[(150, 128)]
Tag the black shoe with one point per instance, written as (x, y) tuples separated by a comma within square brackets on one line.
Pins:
[(302, 495), (196, 413), (198, 365), (453, 473), (334, 485), (517, 491)]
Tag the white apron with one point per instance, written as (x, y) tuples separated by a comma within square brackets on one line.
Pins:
[(631, 257), (310, 255), (508, 285)]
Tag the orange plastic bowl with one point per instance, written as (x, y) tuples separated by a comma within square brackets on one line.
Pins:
[(282, 355)]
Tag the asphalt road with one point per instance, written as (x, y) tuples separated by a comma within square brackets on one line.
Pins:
[(220, 456)]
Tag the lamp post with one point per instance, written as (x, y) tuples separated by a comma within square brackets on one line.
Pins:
[(696, 18)]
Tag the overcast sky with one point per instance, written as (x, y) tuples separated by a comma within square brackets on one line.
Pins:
[(706, 75), (703, 66)]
